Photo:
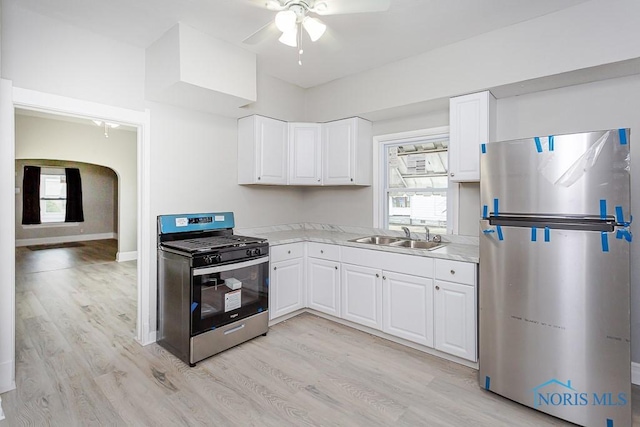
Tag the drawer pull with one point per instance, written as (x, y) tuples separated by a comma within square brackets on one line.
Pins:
[(288, 252), (275, 268), (453, 272), (336, 267), (384, 277), (321, 251), (377, 275), (437, 288)]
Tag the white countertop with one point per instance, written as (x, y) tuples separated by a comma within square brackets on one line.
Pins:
[(456, 248)]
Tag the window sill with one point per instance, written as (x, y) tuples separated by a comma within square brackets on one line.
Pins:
[(51, 225)]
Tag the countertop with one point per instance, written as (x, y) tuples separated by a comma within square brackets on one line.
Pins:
[(458, 248)]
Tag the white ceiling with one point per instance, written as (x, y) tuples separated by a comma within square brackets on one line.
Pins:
[(353, 43)]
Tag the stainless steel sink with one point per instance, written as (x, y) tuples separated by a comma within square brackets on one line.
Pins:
[(398, 242), (417, 244), (377, 240)]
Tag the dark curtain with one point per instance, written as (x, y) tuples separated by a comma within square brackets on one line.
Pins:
[(31, 195), (74, 196)]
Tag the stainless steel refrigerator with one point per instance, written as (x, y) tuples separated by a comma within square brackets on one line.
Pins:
[(554, 275)]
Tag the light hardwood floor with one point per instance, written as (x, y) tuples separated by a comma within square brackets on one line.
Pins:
[(78, 365)]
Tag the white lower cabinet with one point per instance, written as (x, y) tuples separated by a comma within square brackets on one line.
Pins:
[(408, 307), (361, 300), (323, 286), (455, 319), (286, 282)]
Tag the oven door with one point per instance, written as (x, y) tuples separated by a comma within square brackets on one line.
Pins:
[(225, 293)]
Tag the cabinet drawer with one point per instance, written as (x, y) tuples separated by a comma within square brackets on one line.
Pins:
[(323, 251), (285, 252), (456, 271)]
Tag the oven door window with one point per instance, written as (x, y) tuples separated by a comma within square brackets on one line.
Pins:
[(226, 293)]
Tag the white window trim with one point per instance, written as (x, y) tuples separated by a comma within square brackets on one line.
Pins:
[(379, 142)]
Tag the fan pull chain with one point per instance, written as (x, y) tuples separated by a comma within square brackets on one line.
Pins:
[(300, 51)]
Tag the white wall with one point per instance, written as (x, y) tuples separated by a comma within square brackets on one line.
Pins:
[(586, 35), (40, 138), (46, 55), (609, 104), (99, 203)]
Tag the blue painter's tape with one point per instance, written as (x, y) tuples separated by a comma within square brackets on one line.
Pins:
[(609, 422), (194, 305), (603, 209), (260, 310), (551, 143), (619, 215), (499, 230), (487, 382), (488, 231), (538, 144), (495, 207), (483, 148), (547, 234), (624, 234), (605, 241), (485, 211), (622, 133), (534, 232)]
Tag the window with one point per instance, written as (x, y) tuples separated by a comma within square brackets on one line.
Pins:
[(415, 183), (53, 195)]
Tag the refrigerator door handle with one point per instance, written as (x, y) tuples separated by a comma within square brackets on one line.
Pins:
[(557, 222)]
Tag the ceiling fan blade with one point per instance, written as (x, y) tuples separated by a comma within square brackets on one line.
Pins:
[(340, 7), (267, 31), (267, 4)]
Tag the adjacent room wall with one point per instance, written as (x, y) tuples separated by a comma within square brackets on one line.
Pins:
[(99, 200), (42, 138)]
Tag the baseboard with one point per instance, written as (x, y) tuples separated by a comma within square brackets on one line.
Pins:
[(64, 239), (7, 379), (127, 256), (635, 373)]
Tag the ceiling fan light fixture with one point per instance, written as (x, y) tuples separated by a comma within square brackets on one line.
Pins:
[(290, 37), (286, 20), (273, 4), (314, 27)]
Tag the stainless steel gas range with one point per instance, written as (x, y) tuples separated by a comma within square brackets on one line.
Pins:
[(213, 285)]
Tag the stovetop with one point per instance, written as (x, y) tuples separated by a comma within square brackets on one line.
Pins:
[(206, 244)]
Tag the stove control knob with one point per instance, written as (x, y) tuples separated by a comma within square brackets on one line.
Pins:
[(217, 258), (256, 251), (249, 252)]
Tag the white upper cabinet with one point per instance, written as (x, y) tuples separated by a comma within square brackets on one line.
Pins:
[(280, 153), (346, 150), (305, 154), (263, 151), (471, 123)]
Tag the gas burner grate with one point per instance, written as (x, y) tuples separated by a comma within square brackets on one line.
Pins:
[(214, 242)]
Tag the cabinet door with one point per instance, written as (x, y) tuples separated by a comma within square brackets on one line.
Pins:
[(408, 307), (323, 286), (338, 152), (470, 121), (361, 300), (304, 154), (455, 319), (286, 288), (271, 150)]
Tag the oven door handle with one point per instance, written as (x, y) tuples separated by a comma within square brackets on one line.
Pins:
[(229, 267)]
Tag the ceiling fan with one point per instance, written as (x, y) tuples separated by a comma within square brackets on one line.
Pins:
[(295, 14)]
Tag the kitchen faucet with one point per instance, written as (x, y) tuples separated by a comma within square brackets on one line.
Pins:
[(427, 233), (406, 232)]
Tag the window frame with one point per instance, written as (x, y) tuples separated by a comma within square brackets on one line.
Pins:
[(380, 170), (44, 217)]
